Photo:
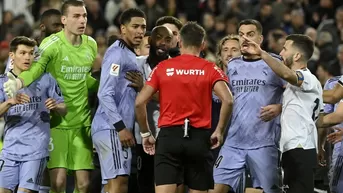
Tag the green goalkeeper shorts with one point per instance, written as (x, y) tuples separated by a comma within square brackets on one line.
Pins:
[(71, 149)]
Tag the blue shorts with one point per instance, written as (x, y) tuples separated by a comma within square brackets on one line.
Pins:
[(26, 174), (263, 164), (114, 159)]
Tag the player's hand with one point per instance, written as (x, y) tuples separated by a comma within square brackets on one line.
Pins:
[(216, 139), (50, 103), (269, 112), (12, 85), (136, 78), (149, 145), (19, 98), (336, 136), (253, 48), (126, 138), (321, 156)]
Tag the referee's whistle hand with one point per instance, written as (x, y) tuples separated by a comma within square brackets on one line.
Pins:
[(126, 138), (216, 139)]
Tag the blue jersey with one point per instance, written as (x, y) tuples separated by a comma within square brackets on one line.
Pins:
[(330, 108), (27, 129), (116, 98), (254, 85), (329, 85)]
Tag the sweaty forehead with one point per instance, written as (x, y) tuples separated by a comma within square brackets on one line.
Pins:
[(76, 10), (172, 27), (288, 43), (137, 21), (247, 28), (24, 48), (163, 31)]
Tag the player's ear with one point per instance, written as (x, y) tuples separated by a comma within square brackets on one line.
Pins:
[(123, 29), (64, 20), (42, 27), (261, 39), (149, 40), (203, 45), (11, 54), (297, 56)]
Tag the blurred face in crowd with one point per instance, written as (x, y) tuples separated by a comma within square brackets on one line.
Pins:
[(340, 54), (297, 18), (321, 74), (250, 31), (266, 10), (208, 21), (230, 49), (143, 49), (51, 25), (133, 32), (176, 33), (8, 17), (23, 57), (161, 41), (75, 20), (339, 19)]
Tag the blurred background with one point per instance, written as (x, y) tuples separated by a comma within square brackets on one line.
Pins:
[(322, 20)]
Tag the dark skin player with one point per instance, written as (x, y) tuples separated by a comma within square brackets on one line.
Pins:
[(160, 43)]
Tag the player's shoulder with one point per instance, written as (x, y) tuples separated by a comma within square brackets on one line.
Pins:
[(142, 58), (49, 43), (235, 59), (89, 40), (333, 79), (3, 79), (275, 56)]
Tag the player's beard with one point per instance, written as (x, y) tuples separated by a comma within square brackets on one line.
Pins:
[(153, 50), (288, 61)]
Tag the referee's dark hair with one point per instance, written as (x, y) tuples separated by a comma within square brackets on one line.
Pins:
[(192, 34), (48, 13), (126, 16), (303, 43)]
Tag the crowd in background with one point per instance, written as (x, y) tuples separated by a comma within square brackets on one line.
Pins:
[(322, 20)]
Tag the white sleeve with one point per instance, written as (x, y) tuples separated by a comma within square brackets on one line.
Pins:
[(306, 77)]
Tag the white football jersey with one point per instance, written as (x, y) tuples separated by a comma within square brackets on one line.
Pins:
[(300, 110), (153, 107)]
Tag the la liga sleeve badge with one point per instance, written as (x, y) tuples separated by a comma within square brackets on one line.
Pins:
[(115, 69)]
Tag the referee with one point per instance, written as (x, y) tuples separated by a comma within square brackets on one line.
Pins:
[(185, 83)]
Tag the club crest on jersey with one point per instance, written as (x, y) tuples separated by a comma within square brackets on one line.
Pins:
[(114, 71)]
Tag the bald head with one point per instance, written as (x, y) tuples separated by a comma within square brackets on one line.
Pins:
[(161, 40)]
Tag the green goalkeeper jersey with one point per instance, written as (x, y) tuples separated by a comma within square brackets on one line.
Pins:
[(71, 67)]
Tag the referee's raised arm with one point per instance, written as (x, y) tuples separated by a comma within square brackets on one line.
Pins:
[(185, 84)]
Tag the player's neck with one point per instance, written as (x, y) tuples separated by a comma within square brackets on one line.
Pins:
[(298, 66), (16, 71), (190, 51), (251, 57), (75, 40), (128, 43), (153, 59)]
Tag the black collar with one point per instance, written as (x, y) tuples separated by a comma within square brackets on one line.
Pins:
[(123, 44), (11, 71)]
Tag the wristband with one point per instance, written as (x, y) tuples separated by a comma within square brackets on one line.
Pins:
[(119, 126), (145, 135)]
